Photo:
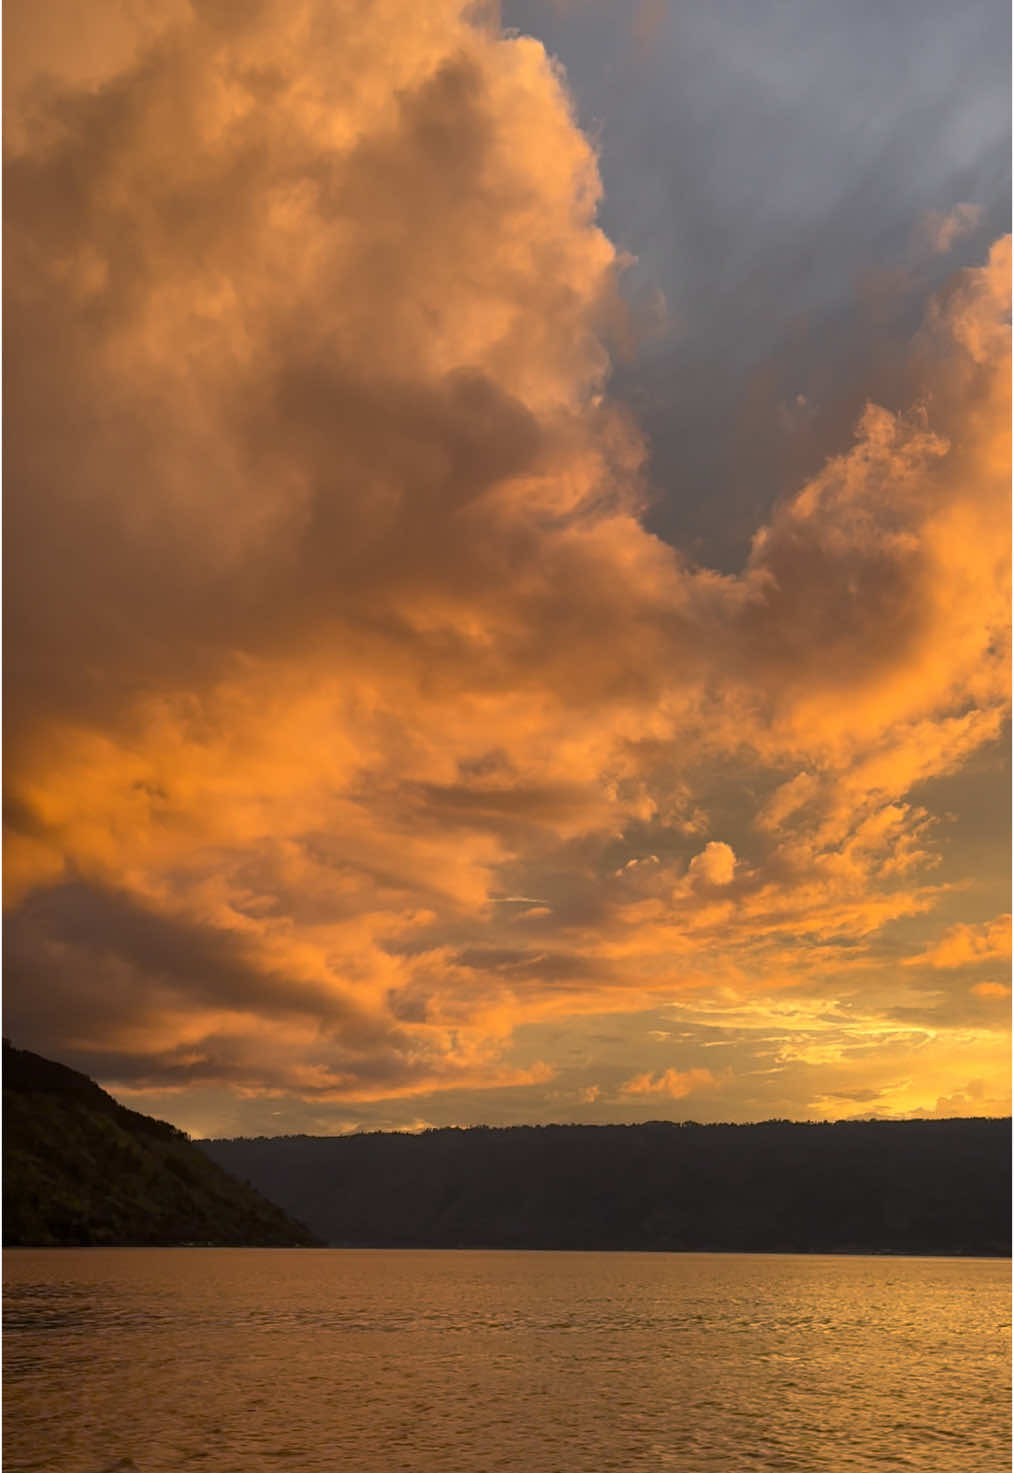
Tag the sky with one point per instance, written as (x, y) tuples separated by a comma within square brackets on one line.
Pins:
[(507, 559)]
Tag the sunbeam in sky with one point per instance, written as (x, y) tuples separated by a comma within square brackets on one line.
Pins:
[(507, 559)]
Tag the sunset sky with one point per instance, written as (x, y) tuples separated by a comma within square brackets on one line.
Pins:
[(507, 558)]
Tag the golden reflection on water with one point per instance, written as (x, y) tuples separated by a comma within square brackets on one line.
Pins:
[(360, 1361)]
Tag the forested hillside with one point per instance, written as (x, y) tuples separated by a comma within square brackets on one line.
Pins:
[(79, 1168), (941, 1186)]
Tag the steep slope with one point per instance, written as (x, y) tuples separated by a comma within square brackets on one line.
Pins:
[(917, 1186), (79, 1168)]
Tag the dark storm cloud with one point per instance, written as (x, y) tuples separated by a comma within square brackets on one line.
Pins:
[(764, 163)]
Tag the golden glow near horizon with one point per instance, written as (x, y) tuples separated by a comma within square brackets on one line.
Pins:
[(368, 758)]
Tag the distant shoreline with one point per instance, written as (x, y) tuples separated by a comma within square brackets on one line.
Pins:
[(304, 1248), (853, 1188)]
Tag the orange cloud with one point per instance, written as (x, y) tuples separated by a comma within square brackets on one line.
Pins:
[(671, 1083), (965, 945), (991, 989), (715, 865), (337, 621)]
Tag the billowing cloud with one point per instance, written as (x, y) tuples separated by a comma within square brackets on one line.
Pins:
[(355, 717), (715, 865)]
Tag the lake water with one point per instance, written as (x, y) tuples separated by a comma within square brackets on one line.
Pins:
[(349, 1361)]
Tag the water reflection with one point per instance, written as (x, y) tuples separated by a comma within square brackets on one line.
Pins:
[(380, 1361)]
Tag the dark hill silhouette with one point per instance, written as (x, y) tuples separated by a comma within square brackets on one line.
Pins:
[(79, 1168), (919, 1186)]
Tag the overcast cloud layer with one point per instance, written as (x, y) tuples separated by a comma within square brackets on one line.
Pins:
[(371, 755)]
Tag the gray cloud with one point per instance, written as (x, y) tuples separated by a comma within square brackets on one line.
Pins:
[(761, 162)]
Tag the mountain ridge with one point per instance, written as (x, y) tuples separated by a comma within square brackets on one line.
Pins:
[(920, 1186), (80, 1169)]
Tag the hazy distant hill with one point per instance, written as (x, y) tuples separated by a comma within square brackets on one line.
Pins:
[(81, 1169), (941, 1186)]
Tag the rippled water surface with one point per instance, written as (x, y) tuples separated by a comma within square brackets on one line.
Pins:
[(248, 1359)]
